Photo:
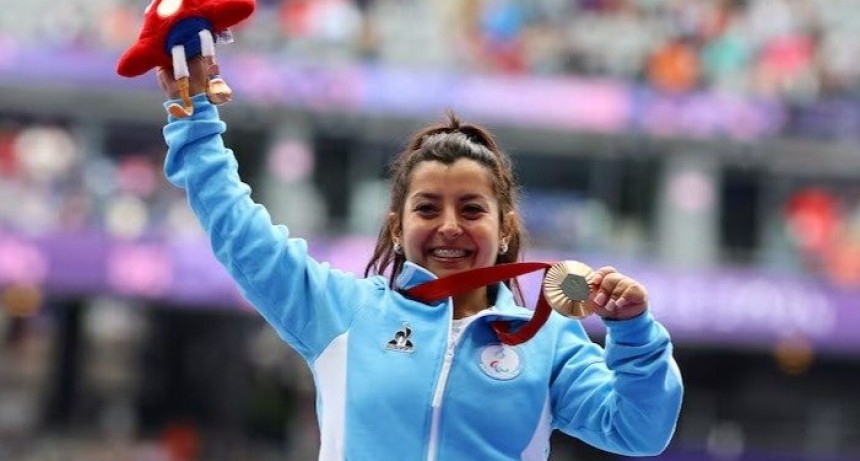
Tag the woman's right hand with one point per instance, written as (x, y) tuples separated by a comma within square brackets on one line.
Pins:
[(196, 82), (617, 296)]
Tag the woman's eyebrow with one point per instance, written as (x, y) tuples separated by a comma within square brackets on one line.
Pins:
[(473, 197), (425, 196), (436, 197)]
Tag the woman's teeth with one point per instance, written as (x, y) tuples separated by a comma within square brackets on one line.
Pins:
[(449, 253)]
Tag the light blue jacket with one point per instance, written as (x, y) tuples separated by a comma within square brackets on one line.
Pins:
[(389, 386)]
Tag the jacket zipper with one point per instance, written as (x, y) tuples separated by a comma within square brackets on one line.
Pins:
[(441, 383)]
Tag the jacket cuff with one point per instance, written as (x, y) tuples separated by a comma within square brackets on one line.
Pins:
[(633, 331)]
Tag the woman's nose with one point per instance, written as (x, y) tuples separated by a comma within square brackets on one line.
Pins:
[(450, 226)]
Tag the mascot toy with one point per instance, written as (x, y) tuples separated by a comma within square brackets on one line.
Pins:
[(175, 31)]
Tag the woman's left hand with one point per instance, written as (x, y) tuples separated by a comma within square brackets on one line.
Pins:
[(615, 295)]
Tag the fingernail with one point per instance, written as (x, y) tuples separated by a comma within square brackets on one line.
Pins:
[(600, 298), (621, 302), (610, 306)]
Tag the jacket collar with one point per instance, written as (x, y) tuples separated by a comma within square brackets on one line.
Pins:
[(412, 275)]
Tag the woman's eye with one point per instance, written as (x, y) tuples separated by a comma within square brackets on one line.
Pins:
[(425, 208), (473, 210)]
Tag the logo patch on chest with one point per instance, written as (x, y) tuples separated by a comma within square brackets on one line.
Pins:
[(501, 362), (402, 341)]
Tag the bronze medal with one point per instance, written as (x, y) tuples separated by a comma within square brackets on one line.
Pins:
[(566, 288)]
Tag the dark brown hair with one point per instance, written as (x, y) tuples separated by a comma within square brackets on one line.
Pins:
[(448, 142)]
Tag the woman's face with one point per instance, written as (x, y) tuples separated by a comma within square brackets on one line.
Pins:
[(450, 217)]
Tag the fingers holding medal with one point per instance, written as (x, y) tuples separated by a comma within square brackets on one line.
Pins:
[(615, 295), (573, 289)]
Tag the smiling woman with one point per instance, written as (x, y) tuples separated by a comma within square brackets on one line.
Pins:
[(379, 353), (451, 221), (453, 203)]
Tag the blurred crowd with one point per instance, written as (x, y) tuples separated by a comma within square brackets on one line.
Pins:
[(821, 227), (792, 49), (96, 188)]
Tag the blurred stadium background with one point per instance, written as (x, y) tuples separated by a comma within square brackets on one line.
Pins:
[(710, 148)]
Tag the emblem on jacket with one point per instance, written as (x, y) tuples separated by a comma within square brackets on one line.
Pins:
[(402, 341), (501, 362)]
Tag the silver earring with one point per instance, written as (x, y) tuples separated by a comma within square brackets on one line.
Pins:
[(397, 248), (503, 248)]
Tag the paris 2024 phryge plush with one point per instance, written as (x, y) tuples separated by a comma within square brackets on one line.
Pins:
[(175, 31)]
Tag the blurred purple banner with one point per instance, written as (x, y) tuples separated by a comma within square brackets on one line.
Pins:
[(571, 103), (739, 307)]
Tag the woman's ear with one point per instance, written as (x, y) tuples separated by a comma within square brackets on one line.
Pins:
[(394, 227), (508, 226)]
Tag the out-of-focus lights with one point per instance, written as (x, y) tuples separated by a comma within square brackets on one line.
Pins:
[(99, 176), (794, 356), (182, 223), (291, 160), (45, 152), (113, 320), (127, 217), (22, 263), (726, 441), (34, 213), (812, 217), (137, 176), (8, 160), (139, 270), (21, 300), (843, 263), (119, 25), (692, 191)]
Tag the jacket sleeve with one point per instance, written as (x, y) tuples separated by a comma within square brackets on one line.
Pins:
[(625, 399), (307, 302)]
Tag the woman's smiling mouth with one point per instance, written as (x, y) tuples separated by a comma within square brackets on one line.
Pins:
[(449, 253)]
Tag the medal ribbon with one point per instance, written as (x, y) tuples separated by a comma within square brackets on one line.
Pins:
[(462, 282)]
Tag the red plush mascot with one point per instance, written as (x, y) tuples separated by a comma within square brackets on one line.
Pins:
[(177, 30)]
